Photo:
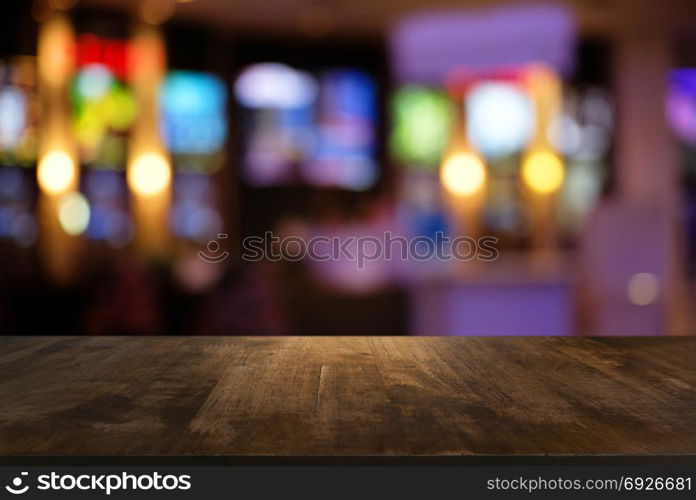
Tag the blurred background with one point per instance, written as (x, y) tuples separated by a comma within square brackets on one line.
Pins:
[(136, 134)]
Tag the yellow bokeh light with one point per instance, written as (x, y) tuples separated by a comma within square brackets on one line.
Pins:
[(56, 172), (542, 171), (463, 174), (149, 175), (73, 213)]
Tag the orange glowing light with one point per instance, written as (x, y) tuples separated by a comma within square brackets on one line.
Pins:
[(56, 50)]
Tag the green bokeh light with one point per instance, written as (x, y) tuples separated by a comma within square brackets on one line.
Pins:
[(422, 126)]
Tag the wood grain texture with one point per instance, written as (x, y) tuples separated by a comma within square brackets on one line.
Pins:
[(348, 396)]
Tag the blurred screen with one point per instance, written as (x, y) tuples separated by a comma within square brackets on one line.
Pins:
[(194, 120), (302, 128), (18, 149), (194, 128), (501, 124), (104, 107)]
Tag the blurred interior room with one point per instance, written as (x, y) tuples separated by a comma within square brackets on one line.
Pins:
[(143, 142)]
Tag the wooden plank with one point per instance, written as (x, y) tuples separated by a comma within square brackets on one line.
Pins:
[(347, 396)]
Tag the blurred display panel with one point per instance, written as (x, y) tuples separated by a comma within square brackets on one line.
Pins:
[(502, 124), (18, 111), (194, 127), (18, 149), (422, 121), (583, 135), (194, 123), (194, 213), (681, 115), (104, 110), (109, 219), (346, 135), (299, 128), (427, 45), (17, 195), (681, 104), (278, 122)]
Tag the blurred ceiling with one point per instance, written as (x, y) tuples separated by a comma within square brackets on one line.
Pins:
[(371, 17)]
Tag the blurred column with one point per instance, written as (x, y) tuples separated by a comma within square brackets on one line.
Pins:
[(57, 170), (646, 161), (645, 153), (149, 170)]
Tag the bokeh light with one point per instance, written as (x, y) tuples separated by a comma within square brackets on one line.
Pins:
[(149, 175), (56, 172), (422, 123), (94, 80), (542, 171), (55, 51), (500, 118), (463, 174), (73, 213), (274, 85), (643, 289)]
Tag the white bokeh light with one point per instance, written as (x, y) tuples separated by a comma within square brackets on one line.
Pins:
[(274, 85), (500, 118)]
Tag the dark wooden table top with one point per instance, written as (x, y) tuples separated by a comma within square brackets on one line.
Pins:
[(347, 396)]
